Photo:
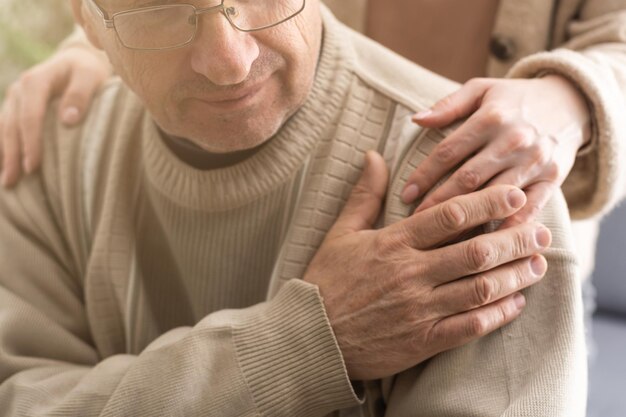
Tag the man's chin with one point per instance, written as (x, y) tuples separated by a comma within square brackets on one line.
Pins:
[(233, 136)]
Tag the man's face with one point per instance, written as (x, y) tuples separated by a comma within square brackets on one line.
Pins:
[(227, 90)]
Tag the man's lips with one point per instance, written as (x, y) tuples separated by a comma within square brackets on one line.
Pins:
[(232, 99)]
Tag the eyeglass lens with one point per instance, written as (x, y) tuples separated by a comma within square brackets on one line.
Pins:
[(175, 25)]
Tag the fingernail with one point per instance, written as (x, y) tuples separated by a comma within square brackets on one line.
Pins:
[(538, 265), (542, 236), (516, 198), (422, 115), (410, 193), (70, 116), (519, 300)]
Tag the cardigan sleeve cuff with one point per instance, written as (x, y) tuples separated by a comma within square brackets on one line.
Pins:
[(596, 182), (290, 358)]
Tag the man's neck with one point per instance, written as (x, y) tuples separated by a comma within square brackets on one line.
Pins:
[(199, 158)]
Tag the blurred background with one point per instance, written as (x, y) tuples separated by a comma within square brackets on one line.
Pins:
[(30, 30)]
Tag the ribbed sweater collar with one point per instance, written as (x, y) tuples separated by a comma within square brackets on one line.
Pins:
[(245, 182)]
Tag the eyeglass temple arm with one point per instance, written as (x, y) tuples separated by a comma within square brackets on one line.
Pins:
[(108, 22)]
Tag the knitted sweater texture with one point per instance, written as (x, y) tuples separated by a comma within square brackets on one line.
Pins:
[(135, 285)]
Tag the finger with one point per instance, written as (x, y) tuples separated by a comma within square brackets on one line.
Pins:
[(472, 175), (10, 142), (483, 289), (438, 224), (449, 153), (487, 251), (455, 106), (35, 96), (538, 196), (77, 97), (462, 328), (363, 206)]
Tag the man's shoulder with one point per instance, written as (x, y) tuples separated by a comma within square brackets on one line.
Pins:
[(395, 76), (68, 147), (79, 160)]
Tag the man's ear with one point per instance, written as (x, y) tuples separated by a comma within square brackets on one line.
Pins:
[(79, 8)]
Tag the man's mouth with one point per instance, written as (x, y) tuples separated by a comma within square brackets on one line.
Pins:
[(232, 100)]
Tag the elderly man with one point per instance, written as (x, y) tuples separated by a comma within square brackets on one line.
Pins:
[(197, 246)]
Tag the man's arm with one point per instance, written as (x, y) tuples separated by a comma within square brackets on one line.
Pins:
[(279, 358)]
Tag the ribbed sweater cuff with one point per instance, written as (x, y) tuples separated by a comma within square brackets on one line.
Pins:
[(290, 357), (596, 183)]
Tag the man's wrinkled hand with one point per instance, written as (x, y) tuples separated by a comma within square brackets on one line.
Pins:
[(395, 298)]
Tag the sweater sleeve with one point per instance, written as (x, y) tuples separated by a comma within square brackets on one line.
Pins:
[(534, 366), (594, 60), (277, 358)]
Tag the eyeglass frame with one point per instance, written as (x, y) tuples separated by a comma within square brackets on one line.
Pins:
[(109, 20)]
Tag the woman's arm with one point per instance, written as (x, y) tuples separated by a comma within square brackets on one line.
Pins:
[(73, 74)]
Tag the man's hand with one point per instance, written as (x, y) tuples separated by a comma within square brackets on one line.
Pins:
[(74, 75), (519, 132), (395, 298)]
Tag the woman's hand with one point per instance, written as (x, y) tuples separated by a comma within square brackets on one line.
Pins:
[(74, 73), (524, 133)]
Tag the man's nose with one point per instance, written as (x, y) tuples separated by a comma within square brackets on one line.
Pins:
[(220, 52)]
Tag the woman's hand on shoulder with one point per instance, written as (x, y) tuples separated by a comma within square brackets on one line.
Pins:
[(524, 133), (73, 74)]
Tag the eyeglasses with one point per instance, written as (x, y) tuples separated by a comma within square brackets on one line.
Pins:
[(173, 26)]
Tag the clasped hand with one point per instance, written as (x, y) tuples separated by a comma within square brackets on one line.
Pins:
[(395, 296)]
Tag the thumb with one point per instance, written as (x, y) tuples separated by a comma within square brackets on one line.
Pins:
[(363, 206), (76, 99), (460, 104)]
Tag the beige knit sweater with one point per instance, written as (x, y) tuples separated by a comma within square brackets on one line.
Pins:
[(134, 285)]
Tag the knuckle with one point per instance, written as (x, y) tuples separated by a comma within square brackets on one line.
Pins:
[(494, 117), (497, 203), (451, 216), (484, 290), (445, 152), (522, 242), (519, 139), (480, 255), (502, 315), (522, 276), (552, 171), (477, 325), (539, 154), (468, 180), (389, 244)]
